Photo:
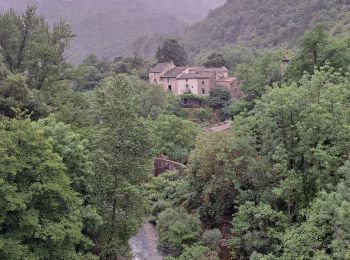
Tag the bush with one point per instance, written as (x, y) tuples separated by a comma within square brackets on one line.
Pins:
[(160, 206), (219, 97), (197, 252), (202, 115), (176, 229), (211, 238), (238, 107)]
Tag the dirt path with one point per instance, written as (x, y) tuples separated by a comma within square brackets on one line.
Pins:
[(220, 127), (144, 244)]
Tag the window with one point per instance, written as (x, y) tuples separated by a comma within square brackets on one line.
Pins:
[(203, 82), (186, 80), (169, 88), (167, 80), (203, 91), (187, 86), (155, 80)]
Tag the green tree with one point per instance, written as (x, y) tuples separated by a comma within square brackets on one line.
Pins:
[(263, 71), (219, 97), (171, 50), (215, 60), (325, 233), (318, 48), (253, 229), (16, 96), (196, 252), (122, 146), (175, 137), (29, 46), (177, 229), (40, 213)]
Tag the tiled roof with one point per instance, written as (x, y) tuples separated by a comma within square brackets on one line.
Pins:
[(160, 67), (223, 69), (200, 75), (196, 68), (228, 79), (174, 72)]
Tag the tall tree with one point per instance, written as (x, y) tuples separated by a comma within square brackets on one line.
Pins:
[(29, 46), (171, 50), (122, 160), (318, 48), (215, 60)]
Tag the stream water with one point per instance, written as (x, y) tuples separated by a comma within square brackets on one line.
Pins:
[(144, 244)]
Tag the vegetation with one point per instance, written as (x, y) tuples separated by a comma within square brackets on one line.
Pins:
[(77, 145), (279, 176), (172, 51), (215, 60), (219, 97), (265, 24)]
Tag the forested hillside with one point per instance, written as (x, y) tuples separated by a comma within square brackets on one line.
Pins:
[(265, 23), (107, 28)]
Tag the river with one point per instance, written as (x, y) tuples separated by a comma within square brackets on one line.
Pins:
[(144, 244)]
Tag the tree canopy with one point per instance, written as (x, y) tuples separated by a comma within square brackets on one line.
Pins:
[(171, 50)]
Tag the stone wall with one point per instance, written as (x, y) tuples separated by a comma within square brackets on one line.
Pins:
[(162, 165)]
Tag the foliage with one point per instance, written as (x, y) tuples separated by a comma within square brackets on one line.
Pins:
[(40, 213), (215, 60), (192, 96), (300, 149), (267, 24), (318, 48), (233, 55), (253, 229), (262, 72), (213, 191), (121, 162), (326, 226), (177, 229), (211, 238), (219, 97), (196, 252), (29, 46), (74, 153), (202, 115), (172, 51), (17, 97), (175, 137)]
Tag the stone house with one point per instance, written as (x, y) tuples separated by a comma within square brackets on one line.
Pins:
[(194, 80)]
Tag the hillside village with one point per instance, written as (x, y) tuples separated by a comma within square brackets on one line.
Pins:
[(193, 80)]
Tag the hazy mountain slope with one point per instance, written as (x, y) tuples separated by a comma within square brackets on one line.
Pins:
[(108, 27), (265, 23)]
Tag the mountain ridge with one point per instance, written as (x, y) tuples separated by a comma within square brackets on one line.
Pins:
[(265, 24), (108, 28)]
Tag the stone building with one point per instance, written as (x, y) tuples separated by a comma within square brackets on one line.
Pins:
[(194, 80)]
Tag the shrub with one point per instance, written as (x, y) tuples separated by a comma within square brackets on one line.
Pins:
[(177, 229), (160, 206), (211, 238), (219, 97), (202, 115), (197, 252)]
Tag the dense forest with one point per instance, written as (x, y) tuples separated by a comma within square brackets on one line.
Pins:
[(78, 144), (101, 32), (265, 24)]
